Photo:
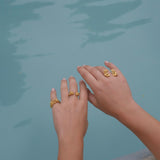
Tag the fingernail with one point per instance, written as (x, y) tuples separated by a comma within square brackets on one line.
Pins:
[(78, 67), (106, 62), (63, 79), (53, 89)]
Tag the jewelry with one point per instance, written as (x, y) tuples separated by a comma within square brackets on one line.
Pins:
[(77, 93), (54, 101), (114, 73), (106, 73), (71, 93)]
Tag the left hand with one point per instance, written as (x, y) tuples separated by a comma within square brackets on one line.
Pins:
[(70, 116)]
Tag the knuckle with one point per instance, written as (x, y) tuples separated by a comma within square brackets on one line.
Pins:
[(92, 69)]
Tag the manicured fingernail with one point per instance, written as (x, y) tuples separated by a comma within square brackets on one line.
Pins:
[(53, 89), (106, 62), (63, 79)]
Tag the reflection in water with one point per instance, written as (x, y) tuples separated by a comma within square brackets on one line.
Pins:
[(23, 123), (98, 22), (11, 79)]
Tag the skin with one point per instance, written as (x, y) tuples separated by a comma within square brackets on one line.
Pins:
[(112, 96), (70, 119)]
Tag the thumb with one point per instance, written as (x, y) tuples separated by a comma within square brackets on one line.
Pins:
[(92, 98)]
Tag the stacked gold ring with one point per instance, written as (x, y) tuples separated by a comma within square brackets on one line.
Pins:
[(54, 101), (73, 93), (113, 72)]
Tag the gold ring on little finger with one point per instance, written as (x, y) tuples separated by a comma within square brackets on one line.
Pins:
[(54, 101), (114, 73)]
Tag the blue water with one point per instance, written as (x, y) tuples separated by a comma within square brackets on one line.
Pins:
[(42, 41)]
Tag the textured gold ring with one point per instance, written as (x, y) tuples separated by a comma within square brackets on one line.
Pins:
[(54, 101), (73, 93), (106, 73), (77, 93), (70, 93), (114, 73)]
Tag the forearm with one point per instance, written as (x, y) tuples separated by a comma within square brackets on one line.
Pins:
[(144, 126), (70, 149)]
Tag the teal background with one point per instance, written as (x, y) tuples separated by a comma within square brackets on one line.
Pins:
[(42, 41)]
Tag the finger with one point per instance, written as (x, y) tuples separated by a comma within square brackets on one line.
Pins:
[(112, 66), (88, 77), (53, 95), (101, 69), (92, 98), (83, 91), (94, 71), (73, 87), (64, 90)]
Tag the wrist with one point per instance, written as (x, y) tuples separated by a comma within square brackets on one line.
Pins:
[(70, 149), (70, 141), (125, 112)]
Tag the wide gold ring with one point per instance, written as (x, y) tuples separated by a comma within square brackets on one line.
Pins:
[(54, 101), (114, 73)]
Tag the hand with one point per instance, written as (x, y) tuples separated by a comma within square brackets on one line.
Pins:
[(111, 95), (70, 116)]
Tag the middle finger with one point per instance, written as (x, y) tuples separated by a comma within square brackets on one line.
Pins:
[(73, 87)]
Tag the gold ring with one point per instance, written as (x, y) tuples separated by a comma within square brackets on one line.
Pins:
[(106, 73), (54, 101), (73, 93), (77, 93), (70, 93), (114, 73)]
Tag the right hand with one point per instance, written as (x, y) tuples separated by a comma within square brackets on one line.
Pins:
[(111, 95)]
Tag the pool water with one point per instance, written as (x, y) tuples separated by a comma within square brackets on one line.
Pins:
[(42, 41)]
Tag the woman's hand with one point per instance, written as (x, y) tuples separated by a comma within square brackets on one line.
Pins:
[(111, 94), (70, 119)]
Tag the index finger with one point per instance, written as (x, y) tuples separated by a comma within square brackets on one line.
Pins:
[(88, 77)]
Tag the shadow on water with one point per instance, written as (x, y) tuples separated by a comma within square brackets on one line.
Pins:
[(23, 123), (12, 84), (99, 19)]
